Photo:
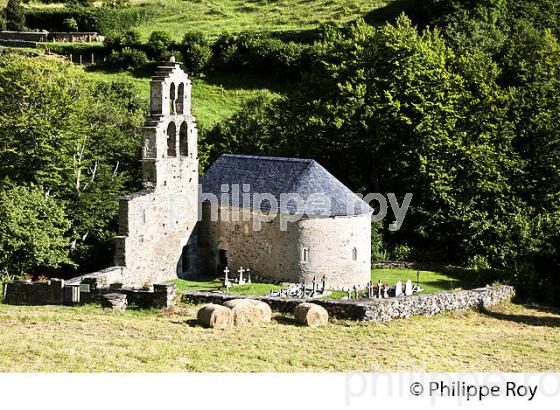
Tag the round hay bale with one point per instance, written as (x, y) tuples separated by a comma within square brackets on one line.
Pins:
[(310, 314), (215, 316), (249, 311)]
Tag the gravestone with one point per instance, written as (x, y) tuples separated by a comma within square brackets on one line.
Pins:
[(398, 289), (408, 288)]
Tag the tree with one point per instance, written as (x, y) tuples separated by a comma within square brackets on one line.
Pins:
[(33, 232), (77, 139), (196, 52), (15, 16), (159, 44)]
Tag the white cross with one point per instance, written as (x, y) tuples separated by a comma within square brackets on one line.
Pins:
[(241, 270), (226, 271)]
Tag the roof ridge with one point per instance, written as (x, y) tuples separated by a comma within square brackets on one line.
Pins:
[(267, 158)]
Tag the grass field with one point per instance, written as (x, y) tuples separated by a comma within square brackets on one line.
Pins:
[(508, 338), (217, 16)]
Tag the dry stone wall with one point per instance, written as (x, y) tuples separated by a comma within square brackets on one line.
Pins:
[(380, 309)]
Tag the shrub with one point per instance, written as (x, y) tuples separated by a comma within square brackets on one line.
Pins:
[(15, 16), (262, 55), (126, 59), (71, 24), (52, 19), (129, 39), (196, 51), (159, 43)]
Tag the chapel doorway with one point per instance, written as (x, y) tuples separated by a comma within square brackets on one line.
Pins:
[(223, 260)]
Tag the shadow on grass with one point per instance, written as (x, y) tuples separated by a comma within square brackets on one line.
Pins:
[(524, 319), (283, 320), (389, 13)]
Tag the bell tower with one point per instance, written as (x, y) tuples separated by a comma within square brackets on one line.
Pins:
[(170, 136), (156, 224)]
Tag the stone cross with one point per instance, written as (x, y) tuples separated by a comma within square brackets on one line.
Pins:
[(408, 288), (241, 270), (398, 289)]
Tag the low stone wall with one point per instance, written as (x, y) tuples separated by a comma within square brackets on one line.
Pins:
[(86, 290), (379, 309), (34, 293)]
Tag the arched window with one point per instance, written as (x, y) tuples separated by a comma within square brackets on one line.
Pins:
[(172, 99), (180, 98), (183, 140), (354, 254), (171, 140)]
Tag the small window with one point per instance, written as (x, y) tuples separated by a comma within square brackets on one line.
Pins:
[(305, 255), (354, 254)]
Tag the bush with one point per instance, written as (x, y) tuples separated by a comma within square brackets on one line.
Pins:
[(159, 44), (126, 59), (52, 19), (129, 39), (262, 55), (196, 51), (71, 24), (15, 16)]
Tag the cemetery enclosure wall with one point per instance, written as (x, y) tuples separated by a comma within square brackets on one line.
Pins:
[(380, 309)]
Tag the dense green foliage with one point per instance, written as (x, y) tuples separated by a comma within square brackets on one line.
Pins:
[(466, 120), (33, 232), (15, 16), (75, 139)]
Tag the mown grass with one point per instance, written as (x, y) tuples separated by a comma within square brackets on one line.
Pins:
[(507, 338), (212, 284), (216, 16)]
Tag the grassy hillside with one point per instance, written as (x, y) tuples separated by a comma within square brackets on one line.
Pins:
[(216, 16), (508, 338), (215, 97)]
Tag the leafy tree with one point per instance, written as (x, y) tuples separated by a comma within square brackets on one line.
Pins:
[(77, 139), (196, 51), (158, 44), (70, 24), (15, 16), (33, 232)]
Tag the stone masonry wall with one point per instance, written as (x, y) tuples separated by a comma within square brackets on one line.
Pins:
[(380, 309), (278, 255), (34, 293), (155, 224)]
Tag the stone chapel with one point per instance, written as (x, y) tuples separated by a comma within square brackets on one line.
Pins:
[(165, 231)]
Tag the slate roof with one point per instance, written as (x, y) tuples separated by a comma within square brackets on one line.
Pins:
[(275, 176)]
